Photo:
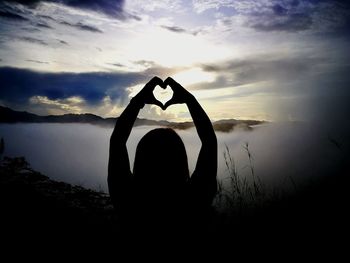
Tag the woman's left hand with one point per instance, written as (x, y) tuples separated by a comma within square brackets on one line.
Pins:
[(145, 96)]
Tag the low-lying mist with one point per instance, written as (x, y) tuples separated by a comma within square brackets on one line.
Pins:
[(78, 153)]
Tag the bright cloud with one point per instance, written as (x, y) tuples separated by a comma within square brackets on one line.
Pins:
[(194, 75)]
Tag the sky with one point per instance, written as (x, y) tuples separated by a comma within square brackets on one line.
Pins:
[(275, 60)]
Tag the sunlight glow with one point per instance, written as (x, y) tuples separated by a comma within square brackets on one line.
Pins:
[(170, 49), (192, 76)]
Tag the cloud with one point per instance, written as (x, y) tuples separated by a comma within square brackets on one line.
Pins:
[(47, 17), (133, 16), (39, 21), (279, 10), (71, 104), (37, 61), (103, 93), (42, 105), (13, 12), (12, 16), (82, 26), (269, 67), (62, 42), (306, 88), (152, 6), (33, 40), (175, 29), (279, 15), (145, 63), (109, 7), (24, 89), (288, 23), (202, 5), (112, 8), (20, 84), (116, 65), (43, 25)]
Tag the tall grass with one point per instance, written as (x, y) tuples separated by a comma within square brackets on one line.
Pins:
[(239, 193)]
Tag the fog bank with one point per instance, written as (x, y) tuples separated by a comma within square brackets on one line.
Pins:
[(78, 153)]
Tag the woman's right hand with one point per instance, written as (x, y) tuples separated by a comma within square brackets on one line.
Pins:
[(181, 95), (145, 96)]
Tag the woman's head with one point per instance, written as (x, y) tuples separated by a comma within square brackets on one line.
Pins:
[(161, 160)]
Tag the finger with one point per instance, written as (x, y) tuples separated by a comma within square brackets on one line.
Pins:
[(154, 82), (172, 83), (158, 103), (168, 103), (169, 81)]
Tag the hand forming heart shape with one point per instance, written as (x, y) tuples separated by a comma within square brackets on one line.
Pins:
[(147, 95)]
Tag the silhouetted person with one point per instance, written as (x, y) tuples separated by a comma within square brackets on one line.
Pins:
[(160, 195)]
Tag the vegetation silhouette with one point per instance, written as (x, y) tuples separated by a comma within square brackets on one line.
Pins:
[(160, 196), (2, 147)]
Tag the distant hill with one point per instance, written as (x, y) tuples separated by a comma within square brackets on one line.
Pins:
[(8, 115)]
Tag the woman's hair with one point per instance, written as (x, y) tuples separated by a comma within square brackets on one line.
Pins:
[(161, 160)]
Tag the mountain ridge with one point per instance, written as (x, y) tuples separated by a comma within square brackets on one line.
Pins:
[(8, 115)]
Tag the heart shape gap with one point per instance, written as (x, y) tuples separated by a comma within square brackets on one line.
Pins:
[(163, 95)]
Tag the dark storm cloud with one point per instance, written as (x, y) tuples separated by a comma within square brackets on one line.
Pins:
[(109, 7), (18, 85), (82, 26)]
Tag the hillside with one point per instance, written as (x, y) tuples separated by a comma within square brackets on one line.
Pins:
[(33, 205)]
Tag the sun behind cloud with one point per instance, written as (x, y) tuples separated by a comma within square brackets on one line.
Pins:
[(193, 76)]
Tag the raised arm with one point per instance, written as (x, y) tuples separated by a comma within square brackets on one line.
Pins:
[(119, 173), (203, 179)]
